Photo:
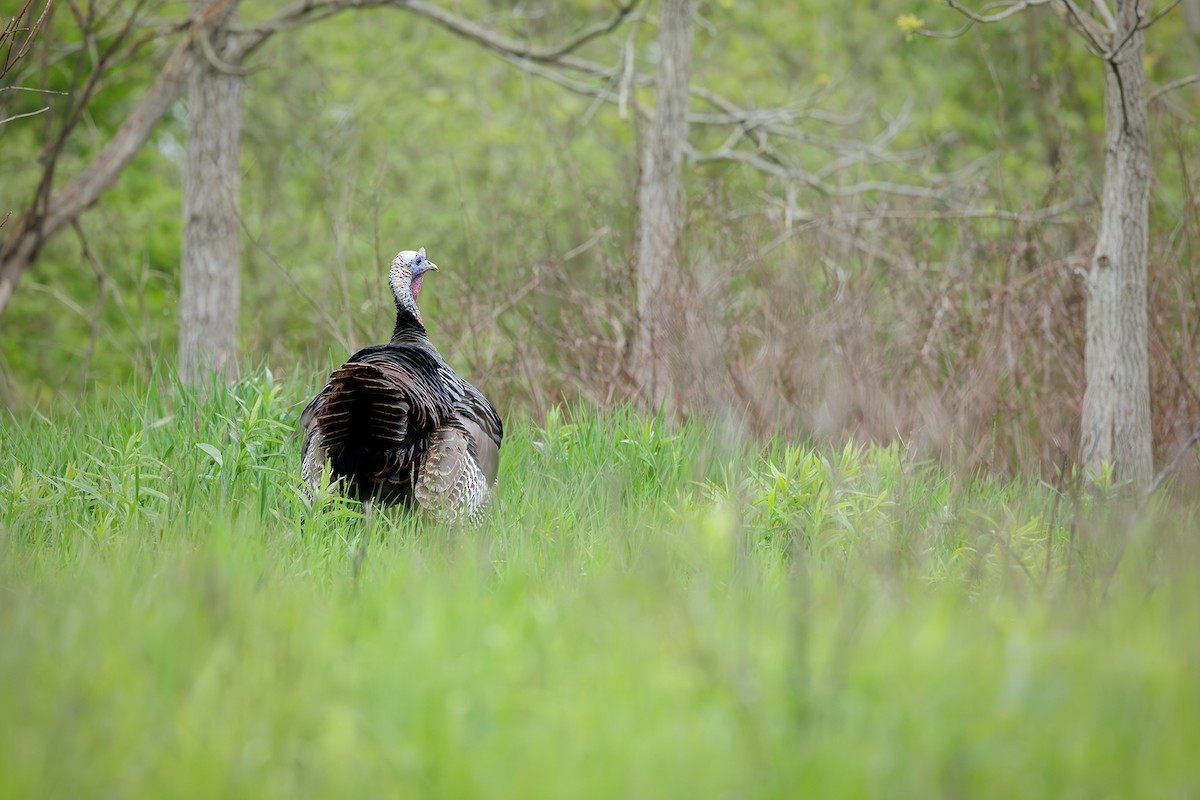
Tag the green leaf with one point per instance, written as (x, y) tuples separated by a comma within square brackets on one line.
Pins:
[(213, 452)]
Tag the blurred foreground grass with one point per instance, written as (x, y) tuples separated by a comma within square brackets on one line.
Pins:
[(649, 611)]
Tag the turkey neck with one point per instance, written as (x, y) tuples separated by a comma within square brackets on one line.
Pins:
[(409, 329)]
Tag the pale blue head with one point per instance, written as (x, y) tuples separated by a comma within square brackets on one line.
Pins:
[(407, 273)]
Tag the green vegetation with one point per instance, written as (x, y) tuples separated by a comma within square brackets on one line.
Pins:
[(373, 131), (648, 611), (740, 605)]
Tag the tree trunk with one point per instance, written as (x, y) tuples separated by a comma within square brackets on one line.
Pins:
[(1191, 17), (210, 294), (1116, 403), (657, 256)]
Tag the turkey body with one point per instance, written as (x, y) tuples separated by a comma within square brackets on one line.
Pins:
[(396, 424)]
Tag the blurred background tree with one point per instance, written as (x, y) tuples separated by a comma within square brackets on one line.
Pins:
[(884, 236), (1115, 426)]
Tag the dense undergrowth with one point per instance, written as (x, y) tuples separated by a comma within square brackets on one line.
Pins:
[(649, 610)]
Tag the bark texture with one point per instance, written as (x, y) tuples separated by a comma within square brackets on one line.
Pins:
[(1116, 403), (1191, 16), (657, 257), (210, 294)]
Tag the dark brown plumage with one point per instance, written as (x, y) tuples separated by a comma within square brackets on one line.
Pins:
[(396, 424)]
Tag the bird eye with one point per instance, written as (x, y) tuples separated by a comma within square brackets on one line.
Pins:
[(418, 259)]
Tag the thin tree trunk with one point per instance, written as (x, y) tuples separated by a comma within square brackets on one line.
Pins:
[(210, 295), (1191, 21), (1116, 403), (1191, 17), (660, 207)]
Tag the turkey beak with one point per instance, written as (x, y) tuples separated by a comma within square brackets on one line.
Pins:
[(430, 266)]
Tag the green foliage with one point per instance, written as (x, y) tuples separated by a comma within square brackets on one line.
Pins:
[(649, 609), (374, 130)]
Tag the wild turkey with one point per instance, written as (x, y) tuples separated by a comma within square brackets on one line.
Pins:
[(397, 425)]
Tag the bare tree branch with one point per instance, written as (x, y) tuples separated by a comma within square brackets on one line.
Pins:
[(556, 76), (1006, 10), (1111, 56), (8, 43), (310, 11), (54, 210), (1169, 468), (749, 142), (1106, 14), (1085, 25), (998, 11), (1167, 88), (51, 211), (932, 33), (214, 60), (26, 114), (29, 89), (490, 39), (1169, 8), (8, 35), (787, 172), (45, 219)]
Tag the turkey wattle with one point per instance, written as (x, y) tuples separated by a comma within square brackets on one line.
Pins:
[(396, 424)]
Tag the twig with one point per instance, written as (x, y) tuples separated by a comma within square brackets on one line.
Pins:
[(50, 212), (556, 76), (492, 40), (22, 116), (1105, 13), (291, 279), (1170, 468), (102, 290), (1166, 88), (1005, 12), (954, 34), (786, 172), (9, 33), (591, 242), (627, 74), (1082, 20), (1111, 57), (204, 37), (29, 89), (312, 10), (1150, 22)]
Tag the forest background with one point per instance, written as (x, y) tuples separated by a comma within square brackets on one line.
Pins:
[(927, 288)]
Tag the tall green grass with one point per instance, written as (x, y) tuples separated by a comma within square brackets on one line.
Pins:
[(649, 611)]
